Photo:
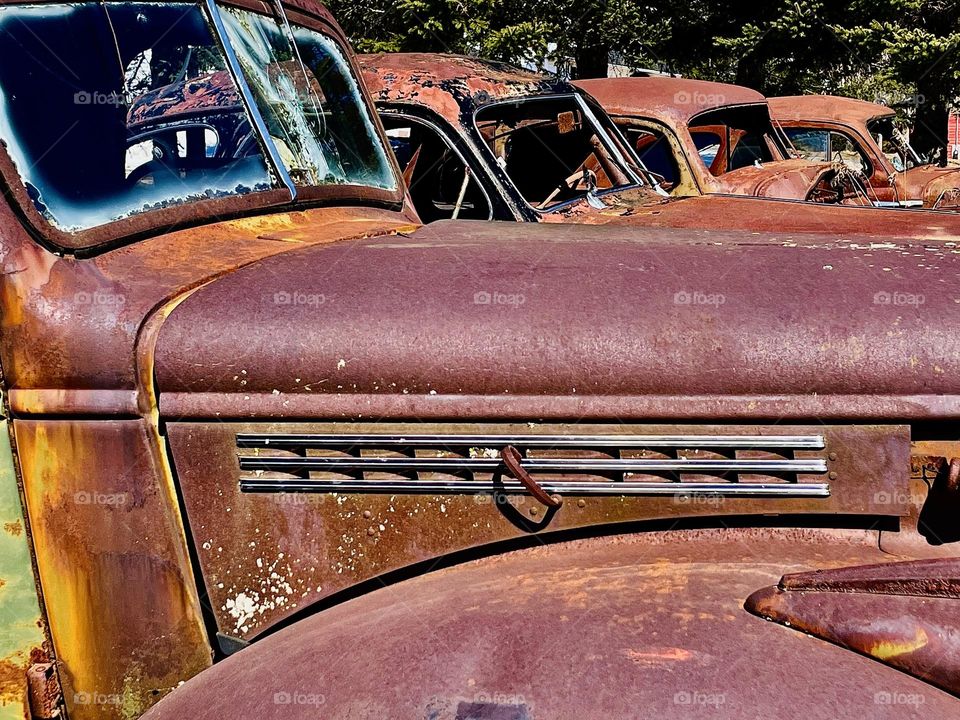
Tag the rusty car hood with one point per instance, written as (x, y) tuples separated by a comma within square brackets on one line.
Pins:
[(788, 179), (463, 313), (782, 220), (933, 185)]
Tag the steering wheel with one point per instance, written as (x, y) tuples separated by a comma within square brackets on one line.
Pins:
[(573, 182)]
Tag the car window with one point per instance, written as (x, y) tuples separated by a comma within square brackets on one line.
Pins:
[(98, 136), (822, 145), (554, 149), (441, 185), (310, 101), (654, 150), (113, 109), (729, 139)]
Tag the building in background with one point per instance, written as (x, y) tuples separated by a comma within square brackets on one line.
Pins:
[(953, 137)]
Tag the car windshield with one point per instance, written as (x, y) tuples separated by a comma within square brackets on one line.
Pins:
[(110, 110), (555, 149), (894, 144), (733, 138)]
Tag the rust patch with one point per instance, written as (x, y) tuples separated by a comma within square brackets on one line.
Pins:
[(13, 528)]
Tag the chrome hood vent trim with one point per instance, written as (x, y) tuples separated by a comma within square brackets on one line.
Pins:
[(628, 465)]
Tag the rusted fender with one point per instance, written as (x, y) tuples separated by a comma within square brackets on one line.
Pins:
[(903, 614), (617, 627), (936, 186)]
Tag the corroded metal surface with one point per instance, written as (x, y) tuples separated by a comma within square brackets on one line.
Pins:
[(266, 556), (22, 640), (902, 614), (613, 627), (120, 595), (813, 325), (827, 107), (672, 101)]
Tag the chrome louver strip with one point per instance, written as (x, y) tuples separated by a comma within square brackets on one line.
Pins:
[(560, 465), (511, 487), (343, 463), (688, 442)]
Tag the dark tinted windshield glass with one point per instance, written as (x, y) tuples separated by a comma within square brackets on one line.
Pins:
[(117, 109)]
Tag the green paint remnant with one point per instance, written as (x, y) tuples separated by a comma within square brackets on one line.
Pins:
[(20, 617)]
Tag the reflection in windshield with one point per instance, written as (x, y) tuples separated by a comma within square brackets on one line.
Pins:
[(98, 136), (109, 110), (314, 112), (553, 149)]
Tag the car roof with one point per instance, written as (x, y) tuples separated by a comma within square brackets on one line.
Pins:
[(827, 108), (674, 101), (451, 85)]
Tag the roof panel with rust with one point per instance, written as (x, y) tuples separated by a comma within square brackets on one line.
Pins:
[(450, 84), (826, 108), (674, 101)]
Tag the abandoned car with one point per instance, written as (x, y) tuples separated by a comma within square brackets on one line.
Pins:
[(482, 140), (865, 137), (257, 420), (706, 137)]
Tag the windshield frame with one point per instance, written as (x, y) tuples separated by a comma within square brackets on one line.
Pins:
[(155, 222), (616, 146)]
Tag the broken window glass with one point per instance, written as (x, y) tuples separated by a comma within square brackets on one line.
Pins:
[(310, 102), (110, 110), (554, 150), (821, 145)]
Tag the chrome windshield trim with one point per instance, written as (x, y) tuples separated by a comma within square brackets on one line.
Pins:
[(236, 71)]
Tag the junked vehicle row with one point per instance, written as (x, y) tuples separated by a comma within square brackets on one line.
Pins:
[(295, 424)]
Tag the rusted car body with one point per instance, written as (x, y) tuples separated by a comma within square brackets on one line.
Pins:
[(706, 137), (245, 391), (441, 113), (864, 136)]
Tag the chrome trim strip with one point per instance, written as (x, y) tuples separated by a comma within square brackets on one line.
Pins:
[(511, 487), (240, 80), (686, 442), (568, 465)]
